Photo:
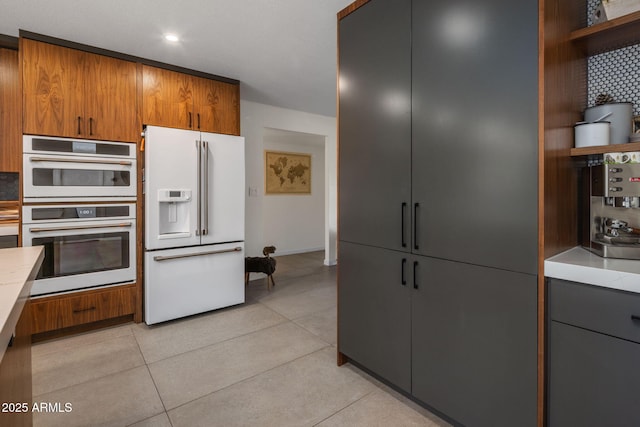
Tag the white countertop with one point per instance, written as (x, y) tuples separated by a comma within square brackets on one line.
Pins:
[(18, 269), (580, 265)]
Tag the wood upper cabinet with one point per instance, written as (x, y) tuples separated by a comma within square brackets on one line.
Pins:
[(72, 93), (110, 105), (166, 98), (10, 125), (179, 100), (216, 106)]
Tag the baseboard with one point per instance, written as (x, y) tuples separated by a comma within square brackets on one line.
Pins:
[(297, 251)]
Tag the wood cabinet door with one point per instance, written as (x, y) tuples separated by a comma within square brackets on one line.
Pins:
[(167, 98), (110, 99), (216, 106), (52, 89), (10, 113)]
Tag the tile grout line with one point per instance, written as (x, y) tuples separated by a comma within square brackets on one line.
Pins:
[(345, 407), (250, 377), (215, 343), (153, 381), (99, 377)]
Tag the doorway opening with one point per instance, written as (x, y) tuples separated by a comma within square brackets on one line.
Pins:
[(296, 223)]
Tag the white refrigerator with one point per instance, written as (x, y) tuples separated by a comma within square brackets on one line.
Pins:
[(194, 222)]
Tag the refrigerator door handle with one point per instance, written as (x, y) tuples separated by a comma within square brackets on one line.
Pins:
[(222, 251), (199, 192), (205, 189)]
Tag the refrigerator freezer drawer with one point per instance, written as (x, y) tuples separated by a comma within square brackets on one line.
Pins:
[(186, 281)]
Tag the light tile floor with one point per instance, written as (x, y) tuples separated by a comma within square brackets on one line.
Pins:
[(268, 362)]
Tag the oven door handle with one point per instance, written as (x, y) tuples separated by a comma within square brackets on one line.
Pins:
[(81, 227), (222, 251), (101, 162)]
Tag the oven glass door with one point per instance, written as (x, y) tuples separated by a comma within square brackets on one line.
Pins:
[(89, 178), (83, 254)]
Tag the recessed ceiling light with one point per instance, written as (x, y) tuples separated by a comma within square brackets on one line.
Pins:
[(171, 38)]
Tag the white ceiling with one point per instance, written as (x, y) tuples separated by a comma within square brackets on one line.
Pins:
[(282, 51)]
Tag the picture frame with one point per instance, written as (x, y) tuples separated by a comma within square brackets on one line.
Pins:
[(287, 172)]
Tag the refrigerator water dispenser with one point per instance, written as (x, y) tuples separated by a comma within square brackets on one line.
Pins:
[(173, 211)]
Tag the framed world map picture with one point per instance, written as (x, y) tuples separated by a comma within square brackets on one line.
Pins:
[(287, 173)]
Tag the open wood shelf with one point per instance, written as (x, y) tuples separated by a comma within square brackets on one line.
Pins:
[(614, 34), (601, 149)]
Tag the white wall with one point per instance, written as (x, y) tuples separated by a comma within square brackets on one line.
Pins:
[(294, 223), (255, 118)]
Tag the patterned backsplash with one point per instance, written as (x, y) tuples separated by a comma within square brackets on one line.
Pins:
[(9, 186), (616, 73)]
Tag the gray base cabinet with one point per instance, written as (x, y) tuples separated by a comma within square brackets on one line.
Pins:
[(374, 317), (594, 356), (474, 343), (458, 337)]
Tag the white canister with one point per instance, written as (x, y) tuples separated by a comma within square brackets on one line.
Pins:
[(621, 114), (592, 134)]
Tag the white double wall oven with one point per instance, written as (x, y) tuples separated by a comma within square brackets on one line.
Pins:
[(80, 204)]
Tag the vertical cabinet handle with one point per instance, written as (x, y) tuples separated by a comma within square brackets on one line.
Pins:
[(404, 276), (415, 275), (199, 189), (403, 229), (204, 198), (416, 208), (189, 118), (90, 125), (198, 120), (79, 119)]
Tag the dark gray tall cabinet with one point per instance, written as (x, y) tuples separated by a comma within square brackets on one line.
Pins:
[(438, 203)]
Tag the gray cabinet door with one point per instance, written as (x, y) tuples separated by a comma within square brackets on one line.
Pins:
[(593, 379), (375, 125), (475, 139), (474, 340), (374, 326)]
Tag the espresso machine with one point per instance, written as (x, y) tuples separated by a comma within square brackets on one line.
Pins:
[(611, 226)]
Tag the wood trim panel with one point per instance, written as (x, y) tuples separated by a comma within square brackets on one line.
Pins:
[(10, 112), (15, 373), (351, 8), (123, 56), (63, 311), (139, 313), (562, 97)]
